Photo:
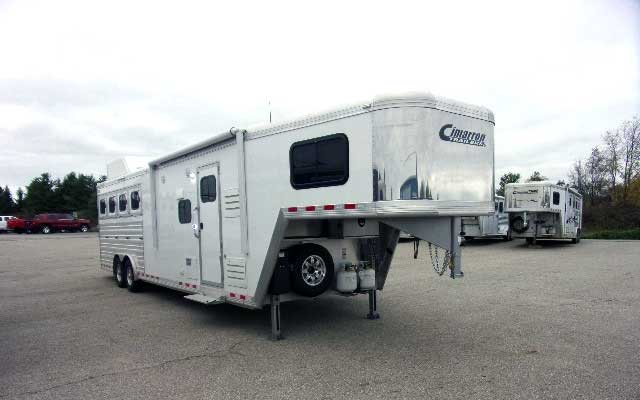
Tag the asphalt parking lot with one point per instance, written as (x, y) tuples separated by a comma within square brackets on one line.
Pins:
[(557, 321)]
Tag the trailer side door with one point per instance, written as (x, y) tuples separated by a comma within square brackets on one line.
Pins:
[(209, 221)]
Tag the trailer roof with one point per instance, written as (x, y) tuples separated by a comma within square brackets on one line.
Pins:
[(543, 183), (413, 99), (417, 99)]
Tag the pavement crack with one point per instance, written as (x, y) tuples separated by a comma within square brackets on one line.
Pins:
[(231, 350)]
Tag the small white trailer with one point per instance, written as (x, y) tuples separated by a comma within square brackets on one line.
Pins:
[(303, 208), (492, 226), (544, 210)]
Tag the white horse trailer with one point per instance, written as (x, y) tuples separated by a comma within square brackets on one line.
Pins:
[(303, 208), (544, 210), (491, 226)]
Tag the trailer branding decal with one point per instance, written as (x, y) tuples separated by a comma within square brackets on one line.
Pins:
[(450, 133)]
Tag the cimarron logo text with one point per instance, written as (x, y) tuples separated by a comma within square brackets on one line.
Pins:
[(451, 133)]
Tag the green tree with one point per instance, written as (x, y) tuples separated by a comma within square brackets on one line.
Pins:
[(19, 200), (509, 177), (537, 177), (41, 194), (7, 205)]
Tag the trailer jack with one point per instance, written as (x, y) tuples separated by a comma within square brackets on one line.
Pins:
[(276, 333), (373, 305)]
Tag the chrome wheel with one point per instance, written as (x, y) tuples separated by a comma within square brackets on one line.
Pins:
[(45, 229), (130, 276), (84, 228), (313, 270), (119, 273)]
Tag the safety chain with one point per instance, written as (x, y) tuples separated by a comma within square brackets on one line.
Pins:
[(447, 261)]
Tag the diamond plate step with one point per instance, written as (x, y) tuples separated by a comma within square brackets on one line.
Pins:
[(201, 298)]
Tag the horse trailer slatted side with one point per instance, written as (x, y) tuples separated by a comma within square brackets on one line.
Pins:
[(304, 208)]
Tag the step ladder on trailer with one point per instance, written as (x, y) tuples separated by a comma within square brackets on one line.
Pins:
[(209, 295)]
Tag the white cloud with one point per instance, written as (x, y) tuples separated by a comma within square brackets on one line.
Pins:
[(103, 79)]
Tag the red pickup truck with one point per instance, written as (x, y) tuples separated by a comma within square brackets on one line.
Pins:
[(50, 222)]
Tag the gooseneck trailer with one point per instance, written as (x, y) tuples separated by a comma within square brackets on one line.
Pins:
[(300, 209), (494, 226), (544, 210)]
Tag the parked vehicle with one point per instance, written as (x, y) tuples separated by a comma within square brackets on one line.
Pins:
[(544, 210), (54, 222), (285, 211), (17, 225), (4, 222), (494, 226)]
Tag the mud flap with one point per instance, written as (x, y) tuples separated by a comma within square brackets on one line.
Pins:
[(440, 231)]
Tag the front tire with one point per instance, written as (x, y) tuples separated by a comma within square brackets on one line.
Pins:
[(45, 229), (313, 270), (119, 273), (84, 229)]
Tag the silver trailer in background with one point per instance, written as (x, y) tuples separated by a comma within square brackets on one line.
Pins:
[(544, 210), (305, 208), (494, 226)]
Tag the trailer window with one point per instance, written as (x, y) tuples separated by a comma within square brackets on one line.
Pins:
[(184, 211), (122, 202), (135, 200), (103, 207), (319, 162), (501, 207), (208, 189), (556, 198), (112, 204)]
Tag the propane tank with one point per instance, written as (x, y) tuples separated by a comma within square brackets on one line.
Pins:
[(366, 276), (347, 280)]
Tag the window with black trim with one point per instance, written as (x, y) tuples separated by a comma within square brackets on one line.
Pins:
[(319, 162), (556, 198), (112, 204), (122, 202), (184, 211), (208, 189), (135, 200), (103, 207)]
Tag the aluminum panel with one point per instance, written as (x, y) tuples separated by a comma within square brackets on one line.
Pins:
[(430, 154)]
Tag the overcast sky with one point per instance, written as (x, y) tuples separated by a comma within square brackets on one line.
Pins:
[(83, 83)]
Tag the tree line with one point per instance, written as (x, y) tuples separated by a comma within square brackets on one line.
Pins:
[(610, 174), (73, 193), (608, 179)]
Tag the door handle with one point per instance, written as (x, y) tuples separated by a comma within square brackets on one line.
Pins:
[(196, 231), (201, 226)]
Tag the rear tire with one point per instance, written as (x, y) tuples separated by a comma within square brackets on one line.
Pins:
[(132, 284), (313, 270), (531, 240), (119, 273), (84, 228), (45, 229), (576, 239)]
